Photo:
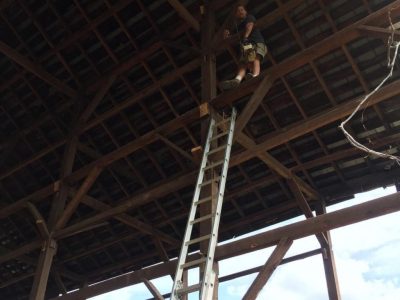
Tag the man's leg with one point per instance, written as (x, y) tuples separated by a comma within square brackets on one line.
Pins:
[(256, 66), (233, 83)]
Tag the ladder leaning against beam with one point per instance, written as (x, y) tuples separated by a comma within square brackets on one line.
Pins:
[(213, 171)]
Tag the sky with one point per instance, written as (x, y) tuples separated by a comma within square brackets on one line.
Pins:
[(366, 255)]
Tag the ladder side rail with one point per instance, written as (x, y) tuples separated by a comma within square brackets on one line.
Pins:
[(189, 226), (206, 290)]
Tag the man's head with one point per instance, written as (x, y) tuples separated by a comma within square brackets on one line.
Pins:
[(241, 12)]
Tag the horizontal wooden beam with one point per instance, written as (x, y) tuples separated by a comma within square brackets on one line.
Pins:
[(343, 217)]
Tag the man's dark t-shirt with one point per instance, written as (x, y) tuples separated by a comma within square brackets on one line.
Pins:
[(255, 35)]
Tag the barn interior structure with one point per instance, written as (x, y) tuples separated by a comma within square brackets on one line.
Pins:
[(103, 110)]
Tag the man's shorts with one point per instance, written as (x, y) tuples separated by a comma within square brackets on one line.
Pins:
[(261, 50)]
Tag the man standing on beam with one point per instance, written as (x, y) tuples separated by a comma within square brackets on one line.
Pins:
[(252, 46)]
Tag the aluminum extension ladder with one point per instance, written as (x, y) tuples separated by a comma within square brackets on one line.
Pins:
[(212, 171)]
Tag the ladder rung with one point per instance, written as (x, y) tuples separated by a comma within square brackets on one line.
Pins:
[(210, 181), (201, 219), (217, 149), (192, 263), (199, 239), (204, 200), (220, 162), (221, 122), (219, 135), (189, 289)]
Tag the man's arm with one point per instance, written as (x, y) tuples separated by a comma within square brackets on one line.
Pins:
[(249, 28)]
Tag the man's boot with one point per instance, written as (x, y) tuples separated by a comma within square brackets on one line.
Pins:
[(229, 84)]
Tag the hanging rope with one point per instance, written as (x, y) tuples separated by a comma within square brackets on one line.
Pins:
[(393, 46)]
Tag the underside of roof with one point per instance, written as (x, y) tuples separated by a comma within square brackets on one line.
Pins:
[(121, 80)]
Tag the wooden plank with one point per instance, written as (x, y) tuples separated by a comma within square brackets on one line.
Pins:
[(254, 102), (272, 263), (36, 70), (185, 14)]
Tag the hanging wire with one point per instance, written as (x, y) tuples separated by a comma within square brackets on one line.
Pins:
[(393, 46)]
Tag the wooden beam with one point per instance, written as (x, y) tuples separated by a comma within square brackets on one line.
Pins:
[(303, 204), (328, 259), (298, 129), (254, 102), (39, 221), (130, 221), (96, 121), (27, 248), (153, 290), (90, 108), (343, 154), (171, 184), (185, 14), (73, 204), (317, 50), (258, 269), (272, 263), (106, 160), (37, 70), (176, 148), (39, 285), (356, 213), (377, 31), (274, 164)]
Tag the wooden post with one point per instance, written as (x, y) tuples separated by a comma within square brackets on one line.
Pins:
[(208, 92), (329, 262), (43, 269)]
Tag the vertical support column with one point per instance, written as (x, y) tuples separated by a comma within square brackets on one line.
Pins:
[(43, 269), (329, 262), (208, 92)]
